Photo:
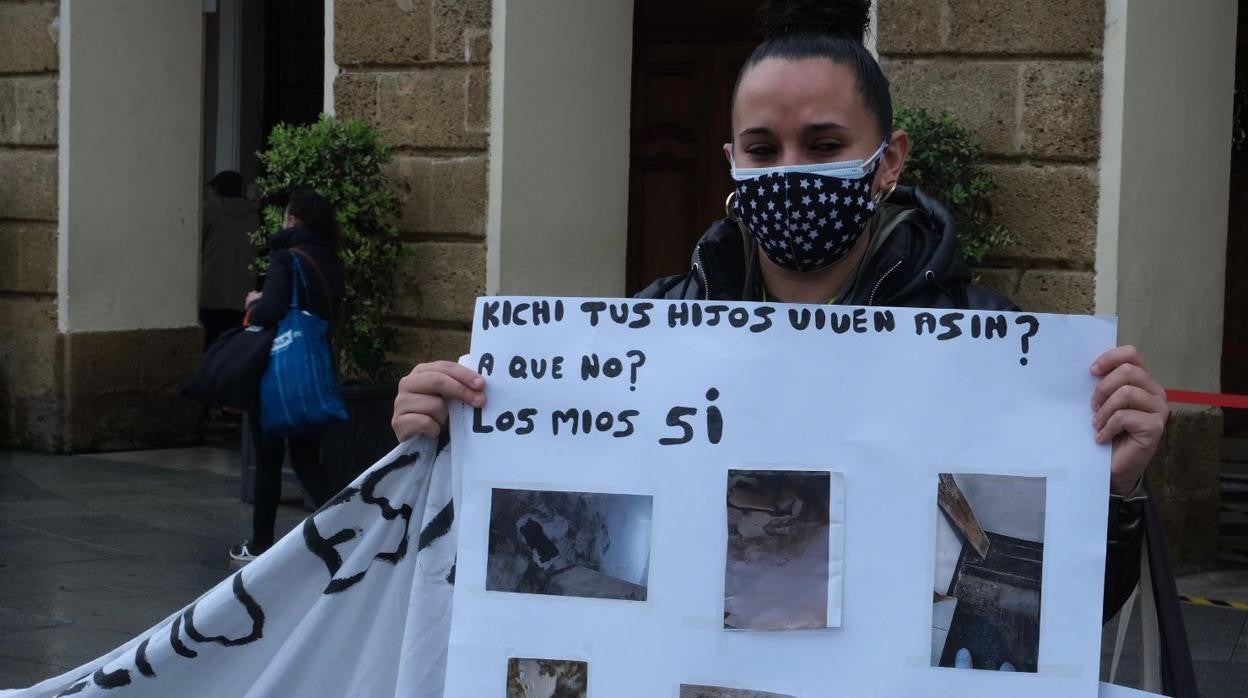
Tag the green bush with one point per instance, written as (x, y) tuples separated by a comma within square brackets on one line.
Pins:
[(343, 161), (944, 162)]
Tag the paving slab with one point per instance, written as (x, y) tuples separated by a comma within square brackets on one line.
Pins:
[(20, 673), (96, 607), (68, 645)]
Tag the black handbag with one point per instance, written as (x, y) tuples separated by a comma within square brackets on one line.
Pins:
[(229, 371)]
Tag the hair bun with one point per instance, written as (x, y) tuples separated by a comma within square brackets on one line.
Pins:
[(847, 18)]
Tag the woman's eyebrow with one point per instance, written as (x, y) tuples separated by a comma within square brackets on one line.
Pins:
[(809, 128), (823, 126), (756, 131)]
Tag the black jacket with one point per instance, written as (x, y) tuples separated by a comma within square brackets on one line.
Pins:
[(918, 266), (274, 304)]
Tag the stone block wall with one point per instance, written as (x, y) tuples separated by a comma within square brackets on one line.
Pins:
[(121, 388), (419, 70), (31, 411), (1025, 78)]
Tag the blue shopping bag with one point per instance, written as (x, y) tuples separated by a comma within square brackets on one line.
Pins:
[(299, 391)]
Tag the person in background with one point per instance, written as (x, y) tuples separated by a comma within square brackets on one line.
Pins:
[(226, 255), (310, 231)]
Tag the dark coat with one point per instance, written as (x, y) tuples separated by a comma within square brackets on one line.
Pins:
[(274, 304), (918, 266)]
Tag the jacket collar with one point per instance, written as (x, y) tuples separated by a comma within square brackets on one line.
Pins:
[(293, 237)]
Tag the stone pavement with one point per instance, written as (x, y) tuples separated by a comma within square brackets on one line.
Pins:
[(1218, 637), (95, 549)]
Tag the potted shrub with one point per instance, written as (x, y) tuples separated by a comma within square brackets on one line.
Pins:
[(345, 162), (944, 162)]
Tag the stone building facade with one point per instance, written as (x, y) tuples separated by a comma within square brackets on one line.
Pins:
[(74, 385), (420, 71), (1063, 97), (1026, 79), (510, 122)]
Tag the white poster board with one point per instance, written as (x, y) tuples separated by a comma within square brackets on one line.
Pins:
[(752, 398)]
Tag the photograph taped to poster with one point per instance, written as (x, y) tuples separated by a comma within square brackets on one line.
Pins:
[(662, 399), (782, 550), (569, 544), (547, 678), (989, 568)]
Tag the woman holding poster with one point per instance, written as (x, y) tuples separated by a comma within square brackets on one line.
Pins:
[(817, 216)]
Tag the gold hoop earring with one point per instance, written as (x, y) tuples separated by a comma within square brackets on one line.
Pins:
[(882, 196), (728, 203)]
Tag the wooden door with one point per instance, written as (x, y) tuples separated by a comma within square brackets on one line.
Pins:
[(686, 57)]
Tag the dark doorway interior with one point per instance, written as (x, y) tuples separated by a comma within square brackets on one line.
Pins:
[(686, 56), (1235, 320), (294, 61), (264, 64), (1232, 552)]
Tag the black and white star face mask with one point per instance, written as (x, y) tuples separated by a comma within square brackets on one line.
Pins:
[(806, 217)]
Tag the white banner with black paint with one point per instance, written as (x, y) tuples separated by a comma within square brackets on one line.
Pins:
[(354, 602)]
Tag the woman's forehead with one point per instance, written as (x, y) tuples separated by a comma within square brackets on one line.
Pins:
[(779, 94)]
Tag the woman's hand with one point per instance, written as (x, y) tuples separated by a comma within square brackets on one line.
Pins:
[(252, 297), (1130, 412), (420, 408)]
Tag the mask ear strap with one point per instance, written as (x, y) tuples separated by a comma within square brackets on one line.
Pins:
[(882, 196), (878, 156)]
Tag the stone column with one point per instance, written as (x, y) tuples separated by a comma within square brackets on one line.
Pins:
[(99, 223), (1168, 286)]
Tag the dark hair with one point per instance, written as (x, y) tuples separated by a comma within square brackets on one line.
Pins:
[(315, 213), (831, 29)]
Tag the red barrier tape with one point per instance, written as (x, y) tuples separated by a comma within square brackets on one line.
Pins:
[(1189, 397)]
